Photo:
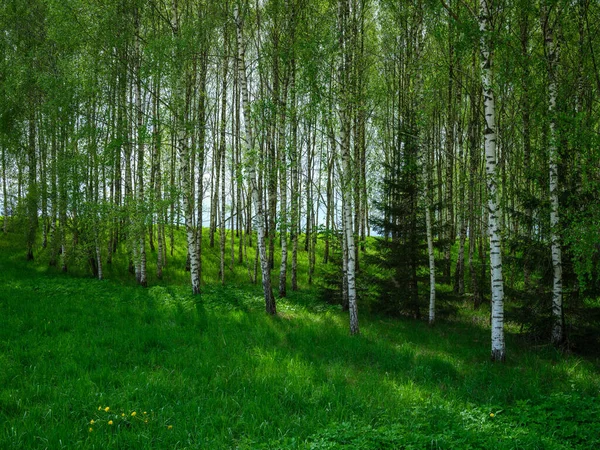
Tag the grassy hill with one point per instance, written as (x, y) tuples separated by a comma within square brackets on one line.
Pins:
[(105, 364)]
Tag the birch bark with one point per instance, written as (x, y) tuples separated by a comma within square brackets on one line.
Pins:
[(283, 189), (347, 191), (497, 282), (5, 192), (185, 170), (250, 157), (429, 231), (221, 165), (552, 60), (143, 279)]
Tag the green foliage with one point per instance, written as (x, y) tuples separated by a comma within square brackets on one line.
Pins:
[(331, 275), (402, 251)]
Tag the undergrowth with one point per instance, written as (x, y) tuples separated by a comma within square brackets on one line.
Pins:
[(102, 364)]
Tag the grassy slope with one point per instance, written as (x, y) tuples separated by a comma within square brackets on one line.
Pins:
[(218, 373)]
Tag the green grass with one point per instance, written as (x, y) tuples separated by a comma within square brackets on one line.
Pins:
[(216, 373)]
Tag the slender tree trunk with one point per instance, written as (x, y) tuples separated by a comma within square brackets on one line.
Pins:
[(173, 202), (32, 191), (156, 141), (183, 92), (142, 275), (459, 271), (497, 282), (526, 119), (232, 167), (238, 168), (251, 172), (188, 207), (272, 162), (128, 142), (281, 142), (474, 205), (347, 169), (62, 198), (221, 156), (54, 241), (431, 254), (4, 192), (557, 290), (329, 203), (294, 163), (201, 158), (449, 157), (43, 189)]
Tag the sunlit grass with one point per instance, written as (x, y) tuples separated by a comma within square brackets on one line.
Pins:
[(216, 372)]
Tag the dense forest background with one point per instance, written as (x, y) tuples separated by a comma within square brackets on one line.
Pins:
[(412, 143)]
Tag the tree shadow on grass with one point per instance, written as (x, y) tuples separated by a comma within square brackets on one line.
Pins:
[(225, 365), (312, 367)]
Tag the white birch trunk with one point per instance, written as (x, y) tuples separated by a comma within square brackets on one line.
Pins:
[(429, 243), (188, 207), (5, 194), (99, 259), (347, 190), (143, 279), (221, 166), (497, 282), (283, 190), (188, 204), (185, 173), (160, 249), (295, 210), (222, 232), (348, 231), (557, 294), (250, 157)]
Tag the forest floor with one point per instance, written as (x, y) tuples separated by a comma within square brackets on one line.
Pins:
[(101, 364)]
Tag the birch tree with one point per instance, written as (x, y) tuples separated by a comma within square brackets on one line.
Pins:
[(551, 50), (346, 163), (495, 239), (250, 158), (182, 102), (140, 209), (429, 231)]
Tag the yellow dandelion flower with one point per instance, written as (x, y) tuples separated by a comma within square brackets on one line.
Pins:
[(133, 414), (91, 429), (92, 422), (492, 414), (122, 414), (170, 427), (110, 422), (145, 413), (107, 409)]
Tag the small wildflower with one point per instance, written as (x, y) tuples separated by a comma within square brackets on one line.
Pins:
[(145, 413), (170, 427), (92, 422), (146, 421), (110, 422), (91, 429), (133, 414), (492, 414), (107, 409), (99, 408)]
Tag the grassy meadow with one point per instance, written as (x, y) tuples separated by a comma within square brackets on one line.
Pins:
[(106, 364)]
